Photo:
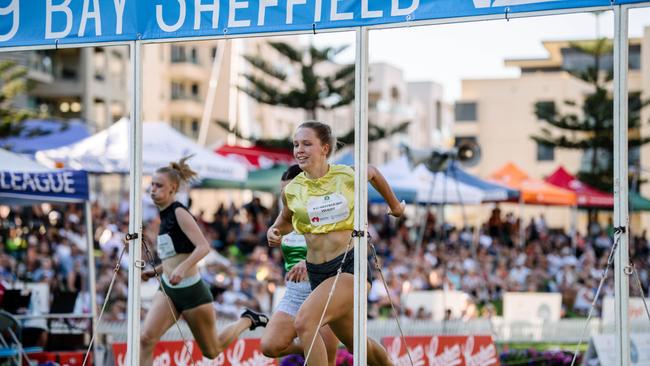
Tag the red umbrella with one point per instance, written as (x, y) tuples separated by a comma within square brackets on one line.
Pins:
[(587, 195), (256, 157)]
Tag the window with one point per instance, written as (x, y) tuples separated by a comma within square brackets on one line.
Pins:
[(195, 91), (438, 115), (465, 111), (394, 94), (373, 99), (213, 52), (194, 56), (545, 152), (178, 91), (177, 124), (99, 64), (195, 128), (634, 57), (178, 54)]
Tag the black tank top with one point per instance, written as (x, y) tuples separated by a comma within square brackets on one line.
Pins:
[(171, 238)]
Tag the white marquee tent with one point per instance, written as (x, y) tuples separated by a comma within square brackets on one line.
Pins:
[(108, 152), (12, 162), (433, 188)]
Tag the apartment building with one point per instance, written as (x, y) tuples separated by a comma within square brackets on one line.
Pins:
[(392, 100), (87, 83), (499, 113)]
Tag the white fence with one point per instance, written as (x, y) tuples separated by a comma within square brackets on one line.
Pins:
[(563, 331)]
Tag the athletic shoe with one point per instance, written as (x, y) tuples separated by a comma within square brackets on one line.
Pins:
[(258, 319)]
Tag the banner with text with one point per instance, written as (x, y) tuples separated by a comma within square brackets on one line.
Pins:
[(57, 185), (55, 22), (443, 350), (244, 351)]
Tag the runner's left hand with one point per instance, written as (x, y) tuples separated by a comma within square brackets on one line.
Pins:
[(298, 273), (177, 276)]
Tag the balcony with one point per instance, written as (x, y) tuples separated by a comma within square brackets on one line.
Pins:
[(186, 106), (188, 71), (59, 88), (39, 67)]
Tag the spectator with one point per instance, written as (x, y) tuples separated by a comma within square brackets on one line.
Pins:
[(47, 244)]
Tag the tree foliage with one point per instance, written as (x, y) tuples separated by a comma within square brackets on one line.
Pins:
[(590, 127), (316, 90), (13, 83), (375, 133)]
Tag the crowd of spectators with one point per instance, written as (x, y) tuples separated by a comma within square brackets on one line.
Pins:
[(46, 244)]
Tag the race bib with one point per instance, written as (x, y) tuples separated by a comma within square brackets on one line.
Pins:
[(165, 246), (328, 209)]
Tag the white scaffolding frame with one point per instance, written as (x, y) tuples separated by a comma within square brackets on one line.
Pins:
[(361, 158), (621, 213)]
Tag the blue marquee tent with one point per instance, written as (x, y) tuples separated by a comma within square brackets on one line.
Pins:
[(40, 134), (492, 192)]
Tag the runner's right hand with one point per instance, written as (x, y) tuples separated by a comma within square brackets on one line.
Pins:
[(146, 275)]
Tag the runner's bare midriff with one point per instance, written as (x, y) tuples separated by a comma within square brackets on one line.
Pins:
[(170, 264), (323, 248)]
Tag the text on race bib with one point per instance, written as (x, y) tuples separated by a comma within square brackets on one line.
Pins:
[(165, 246), (328, 209)]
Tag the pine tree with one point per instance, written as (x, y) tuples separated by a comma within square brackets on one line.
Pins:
[(317, 91), (375, 133), (592, 129)]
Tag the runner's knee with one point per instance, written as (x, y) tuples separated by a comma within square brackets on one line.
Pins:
[(271, 348), (147, 340), (212, 351), (305, 323)]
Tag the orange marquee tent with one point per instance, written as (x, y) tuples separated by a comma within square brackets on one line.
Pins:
[(533, 191)]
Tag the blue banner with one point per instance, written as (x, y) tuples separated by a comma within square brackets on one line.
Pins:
[(43, 22), (57, 186)]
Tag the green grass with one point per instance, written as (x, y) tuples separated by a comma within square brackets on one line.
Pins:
[(542, 346)]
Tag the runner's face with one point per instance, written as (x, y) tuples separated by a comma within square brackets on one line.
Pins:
[(162, 189), (308, 149)]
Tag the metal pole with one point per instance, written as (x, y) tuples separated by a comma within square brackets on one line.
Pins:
[(522, 223), (135, 206), (92, 280), (361, 196), (212, 92), (621, 218)]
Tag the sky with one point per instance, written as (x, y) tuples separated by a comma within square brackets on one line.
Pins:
[(449, 53)]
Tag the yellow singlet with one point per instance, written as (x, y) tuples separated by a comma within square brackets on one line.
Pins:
[(322, 205)]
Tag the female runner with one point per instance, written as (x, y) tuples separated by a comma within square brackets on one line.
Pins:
[(278, 338), (319, 203), (180, 246)]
